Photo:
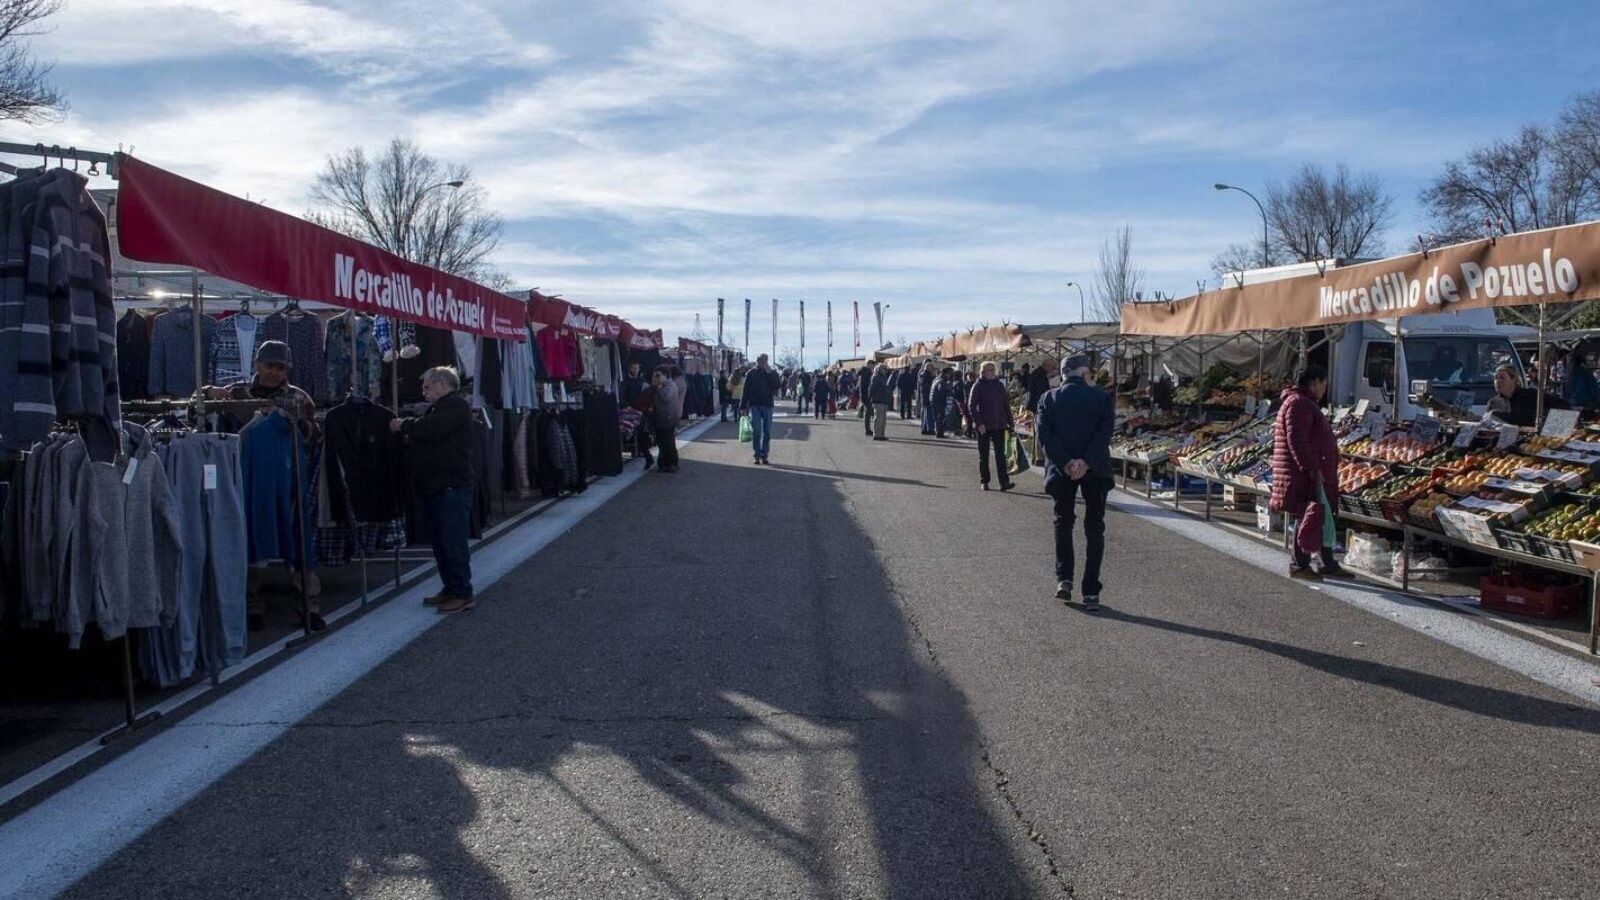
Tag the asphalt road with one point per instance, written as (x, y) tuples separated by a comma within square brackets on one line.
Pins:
[(843, 676)]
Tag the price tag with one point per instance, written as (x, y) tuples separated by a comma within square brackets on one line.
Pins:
[(1340, 413), (1508, 437), (1426, 429), (1250, 406), (1375, 424), (1361, 407), (1560, 423), (133, 467), (210, 477), (1465, 436)]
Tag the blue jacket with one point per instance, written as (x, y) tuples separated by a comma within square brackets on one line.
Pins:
[(1075, 421), (266, 469)]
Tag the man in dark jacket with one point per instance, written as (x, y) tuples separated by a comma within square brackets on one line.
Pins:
[(925, 395), (864, 389), (440, 459), (1074, 425), (946, 415), (990, 409), (633, 385), (881, 395), (906, 383), (761, 389), (1038, 384)]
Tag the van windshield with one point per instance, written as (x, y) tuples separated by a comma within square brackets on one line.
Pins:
[(1451, 359)]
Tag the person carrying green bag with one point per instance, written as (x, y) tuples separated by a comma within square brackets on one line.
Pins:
[(746, 433), (1305, 474)]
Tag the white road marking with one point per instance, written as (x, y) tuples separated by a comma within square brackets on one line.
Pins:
[(1565, 673), (52, 846)]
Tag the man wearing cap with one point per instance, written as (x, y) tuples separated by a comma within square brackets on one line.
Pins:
[(270, 382), (1074, 426)]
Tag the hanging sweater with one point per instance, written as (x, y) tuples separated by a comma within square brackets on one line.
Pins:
[(172, 351), (233, 347), (133, 356), (303, 333)]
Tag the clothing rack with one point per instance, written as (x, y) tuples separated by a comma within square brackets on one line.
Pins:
[(199, 406), (94, 158)]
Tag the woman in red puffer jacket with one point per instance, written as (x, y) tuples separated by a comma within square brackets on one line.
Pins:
[(1304, 455)]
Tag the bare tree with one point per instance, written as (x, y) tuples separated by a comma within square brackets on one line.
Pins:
[(1321, 214), (1118, 281), (1237, 258), (411, 205), (788, 358), (1534, 180), (26, 94)]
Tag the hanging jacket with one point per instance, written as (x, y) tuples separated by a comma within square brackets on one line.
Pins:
[(133, 356), (172, 352), (362, 463), (266, 467), (336, 350), (302, 331)]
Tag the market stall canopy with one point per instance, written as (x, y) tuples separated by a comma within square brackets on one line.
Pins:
[(165, 218), (635, 339), (993, 339), (1554, 265), (690, 347), (554, 312)]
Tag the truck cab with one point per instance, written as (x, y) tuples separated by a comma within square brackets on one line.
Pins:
[(1445, 360)]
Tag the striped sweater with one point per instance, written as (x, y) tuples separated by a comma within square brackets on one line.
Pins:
[(65, 331)]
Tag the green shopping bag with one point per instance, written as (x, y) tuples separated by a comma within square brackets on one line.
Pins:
[(1330, 533), (746, 433)]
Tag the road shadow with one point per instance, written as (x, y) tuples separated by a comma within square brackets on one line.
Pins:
[(614, 720), (1471, 698)]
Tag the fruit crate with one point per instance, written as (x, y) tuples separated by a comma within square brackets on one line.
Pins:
[(1532, 595), (1515, 541), (1429, 522), (1548, 549)]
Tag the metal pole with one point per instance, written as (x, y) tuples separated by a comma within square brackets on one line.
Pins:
[(1540, 366), (300, 542), (198, 327), (355, 369), (1399, 350), (394, 397)]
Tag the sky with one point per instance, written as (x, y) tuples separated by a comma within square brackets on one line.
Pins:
[(959, 162)]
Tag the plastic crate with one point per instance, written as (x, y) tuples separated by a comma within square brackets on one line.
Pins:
[(1515, 541), (1548, 549), (1532, 595)]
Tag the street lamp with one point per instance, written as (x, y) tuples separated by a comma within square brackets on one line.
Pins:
[(411, 214), (1083, 316), (1265, 256)]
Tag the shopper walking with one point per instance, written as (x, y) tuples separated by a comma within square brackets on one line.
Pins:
[(724, 397), (925, 379), (834, 389), (802, 392), (945, 414), (906, 384), (1074, 426), (1305, 473), (881, 393), (820, 395), (962, 396), (761, 387), (439, 457), (665, 401), (990, 408), (864, 388)]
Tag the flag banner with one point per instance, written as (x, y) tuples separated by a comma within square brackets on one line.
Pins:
[(877, 312), (720, 304), (747, 324), (774, 330), (855, 307), (802, 331)]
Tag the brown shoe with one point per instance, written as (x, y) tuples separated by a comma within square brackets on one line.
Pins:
[(456, 604), (435, 600)]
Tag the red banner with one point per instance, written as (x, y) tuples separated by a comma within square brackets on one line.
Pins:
[(165, 218), (692, 347), (634, 339)]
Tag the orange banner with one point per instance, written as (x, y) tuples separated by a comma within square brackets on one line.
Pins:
[(1555, 265)]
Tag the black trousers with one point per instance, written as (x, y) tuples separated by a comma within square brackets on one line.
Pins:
[(866, 406), (1065, 492), (905, 405), (997, 441), (667, 448)]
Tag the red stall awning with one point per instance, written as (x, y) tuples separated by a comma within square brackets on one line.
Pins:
[(165, 218), (635, 339)]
